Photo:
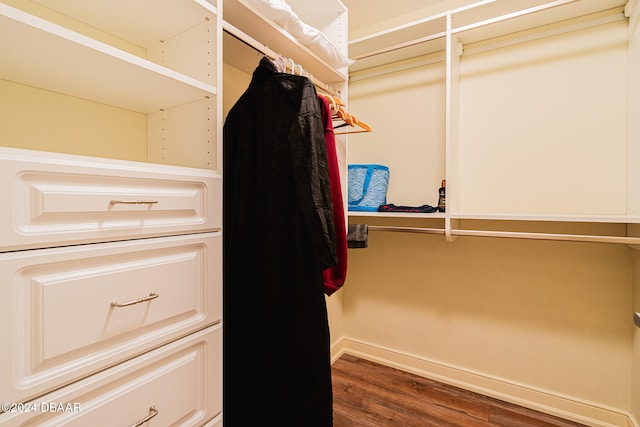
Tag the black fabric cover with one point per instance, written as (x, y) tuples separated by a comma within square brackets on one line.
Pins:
[(358, 236), (278, 236), (390, 207)]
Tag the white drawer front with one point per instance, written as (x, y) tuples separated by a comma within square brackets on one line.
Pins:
[(70, 311), (53, 200), (181, 381)]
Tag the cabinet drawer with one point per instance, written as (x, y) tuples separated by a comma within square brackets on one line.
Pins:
[(67, 312), (181, 381), (57, 199)]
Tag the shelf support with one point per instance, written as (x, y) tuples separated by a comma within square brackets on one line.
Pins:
[(449, 228), (452, 121)]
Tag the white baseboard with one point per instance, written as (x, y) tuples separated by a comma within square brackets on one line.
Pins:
[(546, 401)]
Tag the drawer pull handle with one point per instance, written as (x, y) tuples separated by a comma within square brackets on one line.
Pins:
[(133, 202), (135, 301), (152, 413)]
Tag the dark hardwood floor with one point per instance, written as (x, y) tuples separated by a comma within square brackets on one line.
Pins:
[(367, 394)]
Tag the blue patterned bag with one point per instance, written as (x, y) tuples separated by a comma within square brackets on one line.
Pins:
[(367, 187)]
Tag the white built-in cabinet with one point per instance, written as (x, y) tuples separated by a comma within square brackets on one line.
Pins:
[(110, 243), (534, 122), (111, 233)]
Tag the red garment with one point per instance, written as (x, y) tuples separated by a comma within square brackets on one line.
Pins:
[(334, 276)]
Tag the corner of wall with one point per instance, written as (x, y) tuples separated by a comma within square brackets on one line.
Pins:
[(635, 355), (632, 11), (336, 321)]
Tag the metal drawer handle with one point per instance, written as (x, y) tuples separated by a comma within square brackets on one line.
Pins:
[(133, 202), (152, 413), (135, 301)]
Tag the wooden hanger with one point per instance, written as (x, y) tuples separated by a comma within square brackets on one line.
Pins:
[(333, 107), (336, 100), (343, 115), (352, 121), (338, 111), (365, 127)]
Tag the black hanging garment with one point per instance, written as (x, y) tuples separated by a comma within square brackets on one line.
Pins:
[(278, 236)]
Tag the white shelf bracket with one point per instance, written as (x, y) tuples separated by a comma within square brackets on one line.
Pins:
[(449, 225)]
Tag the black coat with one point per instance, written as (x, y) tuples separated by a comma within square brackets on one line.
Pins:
[(278, 236)]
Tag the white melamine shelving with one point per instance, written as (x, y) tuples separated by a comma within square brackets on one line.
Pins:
[(112, 54), (110, 131), (242, 16), (484, 26), (54, 58)]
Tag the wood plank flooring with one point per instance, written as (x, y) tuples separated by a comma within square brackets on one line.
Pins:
[(367, 394)]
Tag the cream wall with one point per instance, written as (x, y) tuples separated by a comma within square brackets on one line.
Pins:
[(548, 316), (36, 119), (533, 111), (635, 372), (633, 11), (528, 114), (545, 324), (235, 83), (407, 113)]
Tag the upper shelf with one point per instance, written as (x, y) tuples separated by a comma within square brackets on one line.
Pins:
[(480, 21), (55, 58), (318, 14), (242, 16), (123, 17)]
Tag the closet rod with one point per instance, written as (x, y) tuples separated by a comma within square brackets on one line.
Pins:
[(483, 23), (269, 53), (514, 235), (406, 229), (550, 236)]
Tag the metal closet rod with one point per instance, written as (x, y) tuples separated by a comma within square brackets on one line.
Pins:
[(513, 234), (271, 54)]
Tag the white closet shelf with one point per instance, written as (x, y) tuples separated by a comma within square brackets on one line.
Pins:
[(478, 22), (123, 18), (54, 58), (245, 18), (317, 13), (425, 29)]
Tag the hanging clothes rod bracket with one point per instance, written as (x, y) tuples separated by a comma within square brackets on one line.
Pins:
[(449, 225)]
